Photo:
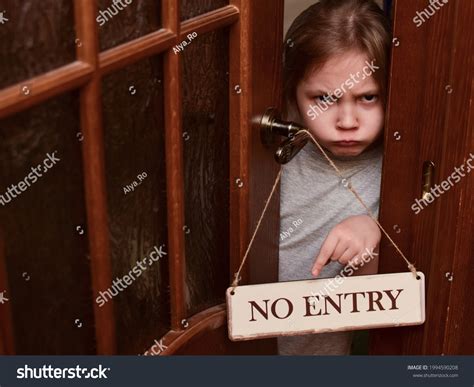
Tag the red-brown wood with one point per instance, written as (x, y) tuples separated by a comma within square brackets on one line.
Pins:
[(266, 91), (239, 61), (458, 146), (207, 334), (174, 171), (254, 53), (428, 107), (7, 341), (94, 181), (69, 77), (255, 67), (210, 21), (137, 49), (252, 163), (43, 87)]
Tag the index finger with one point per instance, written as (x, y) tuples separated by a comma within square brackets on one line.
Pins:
[(327, 249)]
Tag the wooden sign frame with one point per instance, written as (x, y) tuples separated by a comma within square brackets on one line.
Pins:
[(312, 306)]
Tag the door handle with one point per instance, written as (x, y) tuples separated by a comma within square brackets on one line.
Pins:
[(290, 147), (271, 124)]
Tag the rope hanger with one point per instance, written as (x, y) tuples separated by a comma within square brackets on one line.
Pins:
[(237, 278)]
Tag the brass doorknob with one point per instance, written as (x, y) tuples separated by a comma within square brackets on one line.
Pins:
[(271, 124)]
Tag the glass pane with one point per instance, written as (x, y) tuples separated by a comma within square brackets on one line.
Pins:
[(136, 184), (191, 8), (206, 158), (46, 238), (123, 20), (35, 37)]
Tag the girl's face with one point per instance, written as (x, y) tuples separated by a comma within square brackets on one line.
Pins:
[(340, 104)]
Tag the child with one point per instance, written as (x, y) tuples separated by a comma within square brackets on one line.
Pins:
[(335, 66)]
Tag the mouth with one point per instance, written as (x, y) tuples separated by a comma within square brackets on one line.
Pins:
[(347, 143)]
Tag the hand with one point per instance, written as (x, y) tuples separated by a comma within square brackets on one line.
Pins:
[(347, 241)]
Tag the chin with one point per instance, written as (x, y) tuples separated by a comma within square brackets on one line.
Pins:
[(346, 152)]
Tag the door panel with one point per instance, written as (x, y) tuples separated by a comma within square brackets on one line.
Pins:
[(135, 158), (137, 19), (206, 169), (185, 120), (45, 243), (430, 119), (35, 30), (192, 8)]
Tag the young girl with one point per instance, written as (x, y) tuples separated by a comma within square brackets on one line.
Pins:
[(335, 67)]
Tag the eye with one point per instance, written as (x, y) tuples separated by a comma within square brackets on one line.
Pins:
[(323, 98), (369, 98)]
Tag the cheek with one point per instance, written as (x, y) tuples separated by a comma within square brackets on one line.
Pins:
[(373, 120), (321, 126)]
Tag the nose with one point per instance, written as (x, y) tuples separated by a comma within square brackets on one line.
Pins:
[(347, 117)]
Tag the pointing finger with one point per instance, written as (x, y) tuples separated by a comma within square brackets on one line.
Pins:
[(327, 249)]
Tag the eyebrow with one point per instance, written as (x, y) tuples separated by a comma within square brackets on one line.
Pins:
[(319, 92), (371, 91), (367, 92)]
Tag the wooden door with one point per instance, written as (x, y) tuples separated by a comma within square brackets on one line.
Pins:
[(430, 119), (120, 97)]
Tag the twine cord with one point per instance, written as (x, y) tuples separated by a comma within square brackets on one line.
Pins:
[(237, 275), (237, 278)]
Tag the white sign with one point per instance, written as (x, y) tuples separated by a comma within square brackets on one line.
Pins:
[(303, 307)]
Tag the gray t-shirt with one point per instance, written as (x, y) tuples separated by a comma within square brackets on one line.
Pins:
[(313, 200)]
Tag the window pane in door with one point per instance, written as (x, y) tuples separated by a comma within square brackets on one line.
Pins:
[(45, 230), (136, 185), (192, 8), (35, 37), (206, 160), (120, 22)]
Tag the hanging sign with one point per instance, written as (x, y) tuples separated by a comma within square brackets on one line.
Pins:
[(304, 307)]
